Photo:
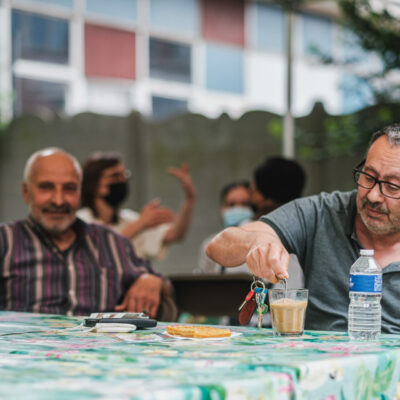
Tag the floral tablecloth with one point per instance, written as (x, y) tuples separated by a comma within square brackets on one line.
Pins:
[(50, 357)]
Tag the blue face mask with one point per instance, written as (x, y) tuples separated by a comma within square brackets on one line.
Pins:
[(235, 216)]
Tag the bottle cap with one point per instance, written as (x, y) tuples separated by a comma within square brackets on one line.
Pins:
[(367, 252)]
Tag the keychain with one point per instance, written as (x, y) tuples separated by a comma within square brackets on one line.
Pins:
[(255, 299)]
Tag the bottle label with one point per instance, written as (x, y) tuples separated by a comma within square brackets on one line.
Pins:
[(366, 283)]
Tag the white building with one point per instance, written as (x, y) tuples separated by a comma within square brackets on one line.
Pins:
[(164, 56)]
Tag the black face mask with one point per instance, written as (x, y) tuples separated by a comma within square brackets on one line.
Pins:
[(117, 193)]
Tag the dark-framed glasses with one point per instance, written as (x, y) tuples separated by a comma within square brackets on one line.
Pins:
[(368, 181), (123, 175)]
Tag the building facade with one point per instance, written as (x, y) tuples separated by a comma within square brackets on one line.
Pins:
[(160, 57)]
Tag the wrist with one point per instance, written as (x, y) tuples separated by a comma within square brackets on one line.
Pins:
[(141, 223), (155, 279)]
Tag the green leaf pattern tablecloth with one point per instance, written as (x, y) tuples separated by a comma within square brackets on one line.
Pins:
[(48, 357)]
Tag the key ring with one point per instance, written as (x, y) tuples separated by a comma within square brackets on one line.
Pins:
[(257, 280)]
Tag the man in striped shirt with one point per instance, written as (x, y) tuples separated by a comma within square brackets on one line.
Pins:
[(52, 262)]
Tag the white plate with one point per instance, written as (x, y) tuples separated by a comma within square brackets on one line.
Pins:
[(233, 334)]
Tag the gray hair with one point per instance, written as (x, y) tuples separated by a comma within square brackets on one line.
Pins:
[(392, 133), (48, 151)]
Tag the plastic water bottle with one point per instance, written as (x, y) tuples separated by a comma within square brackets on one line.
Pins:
[(365, 297)]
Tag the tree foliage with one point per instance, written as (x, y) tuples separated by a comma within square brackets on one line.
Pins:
[(377, 31)]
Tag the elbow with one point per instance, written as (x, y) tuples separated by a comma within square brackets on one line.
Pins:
[(209, 249), (174, 236)]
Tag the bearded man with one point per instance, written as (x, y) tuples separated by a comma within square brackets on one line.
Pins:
[(326, 232)]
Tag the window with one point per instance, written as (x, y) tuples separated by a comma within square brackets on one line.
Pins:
[(356, 93), (109, 52), (224, 68), (175, 15), (39, 38), (121, 10), (317, 35), (62, 3), (223, 21), (170, 60), (164, 107), (34, 96), (268, 28)]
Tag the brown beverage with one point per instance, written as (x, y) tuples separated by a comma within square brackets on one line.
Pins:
[(288, 316)]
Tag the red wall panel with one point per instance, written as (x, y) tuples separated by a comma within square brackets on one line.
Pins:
[(223, 21), (109, 52)]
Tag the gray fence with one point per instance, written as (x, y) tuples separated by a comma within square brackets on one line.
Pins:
[(217, 151)]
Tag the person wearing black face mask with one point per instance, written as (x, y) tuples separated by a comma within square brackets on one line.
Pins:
[(105, 187), (117, 192)]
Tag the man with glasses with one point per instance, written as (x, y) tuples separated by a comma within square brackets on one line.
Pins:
[(326, 233)]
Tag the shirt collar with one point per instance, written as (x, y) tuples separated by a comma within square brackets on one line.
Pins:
[(80, 227)]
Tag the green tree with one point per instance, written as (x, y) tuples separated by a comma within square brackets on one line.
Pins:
[(377, 30)]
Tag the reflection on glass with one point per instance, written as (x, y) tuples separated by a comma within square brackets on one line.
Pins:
[(164, 107), (170, 60), (35, 97), (39, 38)]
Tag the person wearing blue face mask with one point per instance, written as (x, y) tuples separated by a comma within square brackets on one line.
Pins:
[(235, 202), (276, 181), (235, 211)]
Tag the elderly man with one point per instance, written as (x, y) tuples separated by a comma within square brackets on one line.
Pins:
[(326, 232), (52, 262)]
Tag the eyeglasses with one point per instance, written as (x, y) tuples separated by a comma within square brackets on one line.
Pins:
[(126, 174), (368, 181)]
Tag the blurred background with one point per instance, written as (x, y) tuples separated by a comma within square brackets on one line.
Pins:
[(219, 84)]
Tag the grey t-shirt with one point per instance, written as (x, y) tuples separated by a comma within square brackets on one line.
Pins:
[(320, 231)]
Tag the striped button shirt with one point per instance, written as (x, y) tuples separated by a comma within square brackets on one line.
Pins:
[(91, 276)]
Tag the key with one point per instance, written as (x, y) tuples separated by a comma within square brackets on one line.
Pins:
[(260, 303), (259, 324), (248, 297), (265, 291)]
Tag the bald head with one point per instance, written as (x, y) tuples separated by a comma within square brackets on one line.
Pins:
[(32, 161), (52, 188)]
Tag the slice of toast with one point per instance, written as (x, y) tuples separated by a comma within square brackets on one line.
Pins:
[(181, 330), (209, 332), (199, 332)]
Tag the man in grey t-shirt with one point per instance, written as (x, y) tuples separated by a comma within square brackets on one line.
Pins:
[(326, 233)]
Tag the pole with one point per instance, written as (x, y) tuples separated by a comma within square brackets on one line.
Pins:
[(288, 122)]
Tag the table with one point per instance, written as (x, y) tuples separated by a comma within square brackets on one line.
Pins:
[(48, 357)]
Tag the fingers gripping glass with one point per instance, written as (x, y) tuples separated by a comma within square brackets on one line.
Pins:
[(368, 181)]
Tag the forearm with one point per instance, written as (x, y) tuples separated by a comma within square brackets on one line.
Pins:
[(132, 229), (181, 224), (231, 246)]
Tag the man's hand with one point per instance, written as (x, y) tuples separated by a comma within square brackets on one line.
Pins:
[(152, 214), (255, 244), (269, 261), (143, 296), (184, 177)]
